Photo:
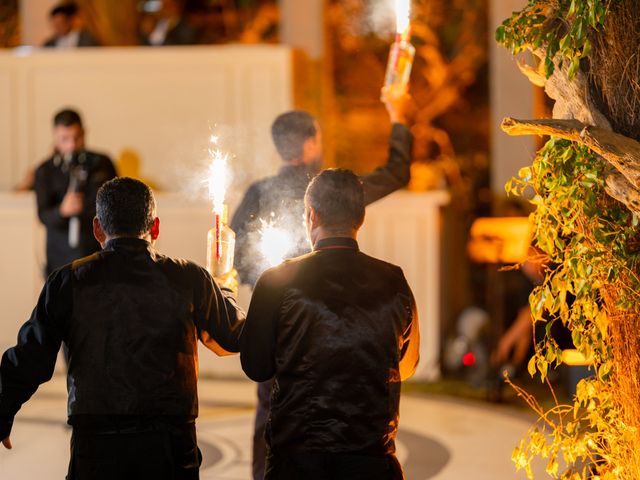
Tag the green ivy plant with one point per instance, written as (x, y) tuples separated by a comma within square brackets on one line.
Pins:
[(592, 244), (558, 26), (591, 286)]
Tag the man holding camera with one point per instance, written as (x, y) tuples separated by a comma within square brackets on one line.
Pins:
[(66, 186)]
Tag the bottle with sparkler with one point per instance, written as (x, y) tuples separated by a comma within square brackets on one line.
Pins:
[(220, 239), (221, 242), (402, 52)]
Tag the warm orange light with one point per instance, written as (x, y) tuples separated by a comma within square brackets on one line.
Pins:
[(500, 240), (574, 357)]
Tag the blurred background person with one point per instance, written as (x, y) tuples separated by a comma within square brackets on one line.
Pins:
[(280, 198), (171, 27), (67, 27), (66, 185)]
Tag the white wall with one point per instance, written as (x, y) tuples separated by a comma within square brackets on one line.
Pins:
[(34, 21), (161, 103), (511, 96)]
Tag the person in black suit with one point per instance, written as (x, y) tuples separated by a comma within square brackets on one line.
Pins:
[(67, 34), (279, 198), (66, 185), (337, 331)]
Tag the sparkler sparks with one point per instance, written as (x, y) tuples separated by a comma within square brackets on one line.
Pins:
[(403, 14), (219, 179), (274, 243)]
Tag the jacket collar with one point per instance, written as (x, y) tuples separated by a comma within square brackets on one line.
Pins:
[(336, 243), (127, 243)]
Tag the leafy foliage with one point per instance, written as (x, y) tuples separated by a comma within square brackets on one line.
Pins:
[(592, 245), (560, 27)]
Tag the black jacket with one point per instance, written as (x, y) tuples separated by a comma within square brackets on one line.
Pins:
[(131, 319), (280, 199), (338, 331), (85, 39), (51, 184)]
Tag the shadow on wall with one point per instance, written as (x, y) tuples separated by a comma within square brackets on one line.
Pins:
[(128, 164)]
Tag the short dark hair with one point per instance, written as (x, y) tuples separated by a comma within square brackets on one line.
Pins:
[(68, 9), (125, 207), (289, 132), (337, 197), (66, 118)]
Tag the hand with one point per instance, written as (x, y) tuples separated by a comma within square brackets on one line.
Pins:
[(398, 103), (72, 204), (7, 443), (229, 280)]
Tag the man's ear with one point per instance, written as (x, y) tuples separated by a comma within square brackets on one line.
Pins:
[(314, 220), (155, 229), (98, 232)]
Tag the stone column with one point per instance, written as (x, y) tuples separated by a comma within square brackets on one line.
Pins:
[(511, 95)]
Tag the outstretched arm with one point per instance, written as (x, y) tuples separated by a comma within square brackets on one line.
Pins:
[(219, 319), (31, 362), (396, 173)]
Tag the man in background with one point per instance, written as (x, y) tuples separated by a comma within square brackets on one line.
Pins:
[(131, 319), (280, 199), (337, 330), (65, 22), (66, 185)]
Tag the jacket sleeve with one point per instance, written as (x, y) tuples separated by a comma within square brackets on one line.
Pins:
[(244, 224), (259, 336), (219, 319), (396, 173), (31, 362), (47, 202), (410, 339)]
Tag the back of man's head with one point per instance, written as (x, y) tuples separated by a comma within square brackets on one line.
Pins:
[(66, 118), (337, 197), (67, 9), (289, 132), (125, 207)]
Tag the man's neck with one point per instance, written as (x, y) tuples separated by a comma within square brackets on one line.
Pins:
[(108, 238), (322, 234)]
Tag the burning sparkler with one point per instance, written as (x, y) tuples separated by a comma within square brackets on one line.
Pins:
[(274, 243), (220, 239), (402, 52)]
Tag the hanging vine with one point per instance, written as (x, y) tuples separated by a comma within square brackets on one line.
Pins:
[(592, 243)]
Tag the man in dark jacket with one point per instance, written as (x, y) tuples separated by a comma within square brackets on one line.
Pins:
[(279, 200), (66, 186), (130, 318), (338, 331), (67, 33)]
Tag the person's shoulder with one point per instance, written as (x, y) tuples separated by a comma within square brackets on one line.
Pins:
[(285, 273), (382, 266), (80, 267), (98, 156), (262, 184), (178, 265), (45, 164)]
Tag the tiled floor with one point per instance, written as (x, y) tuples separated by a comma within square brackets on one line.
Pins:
[(439, 438)]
